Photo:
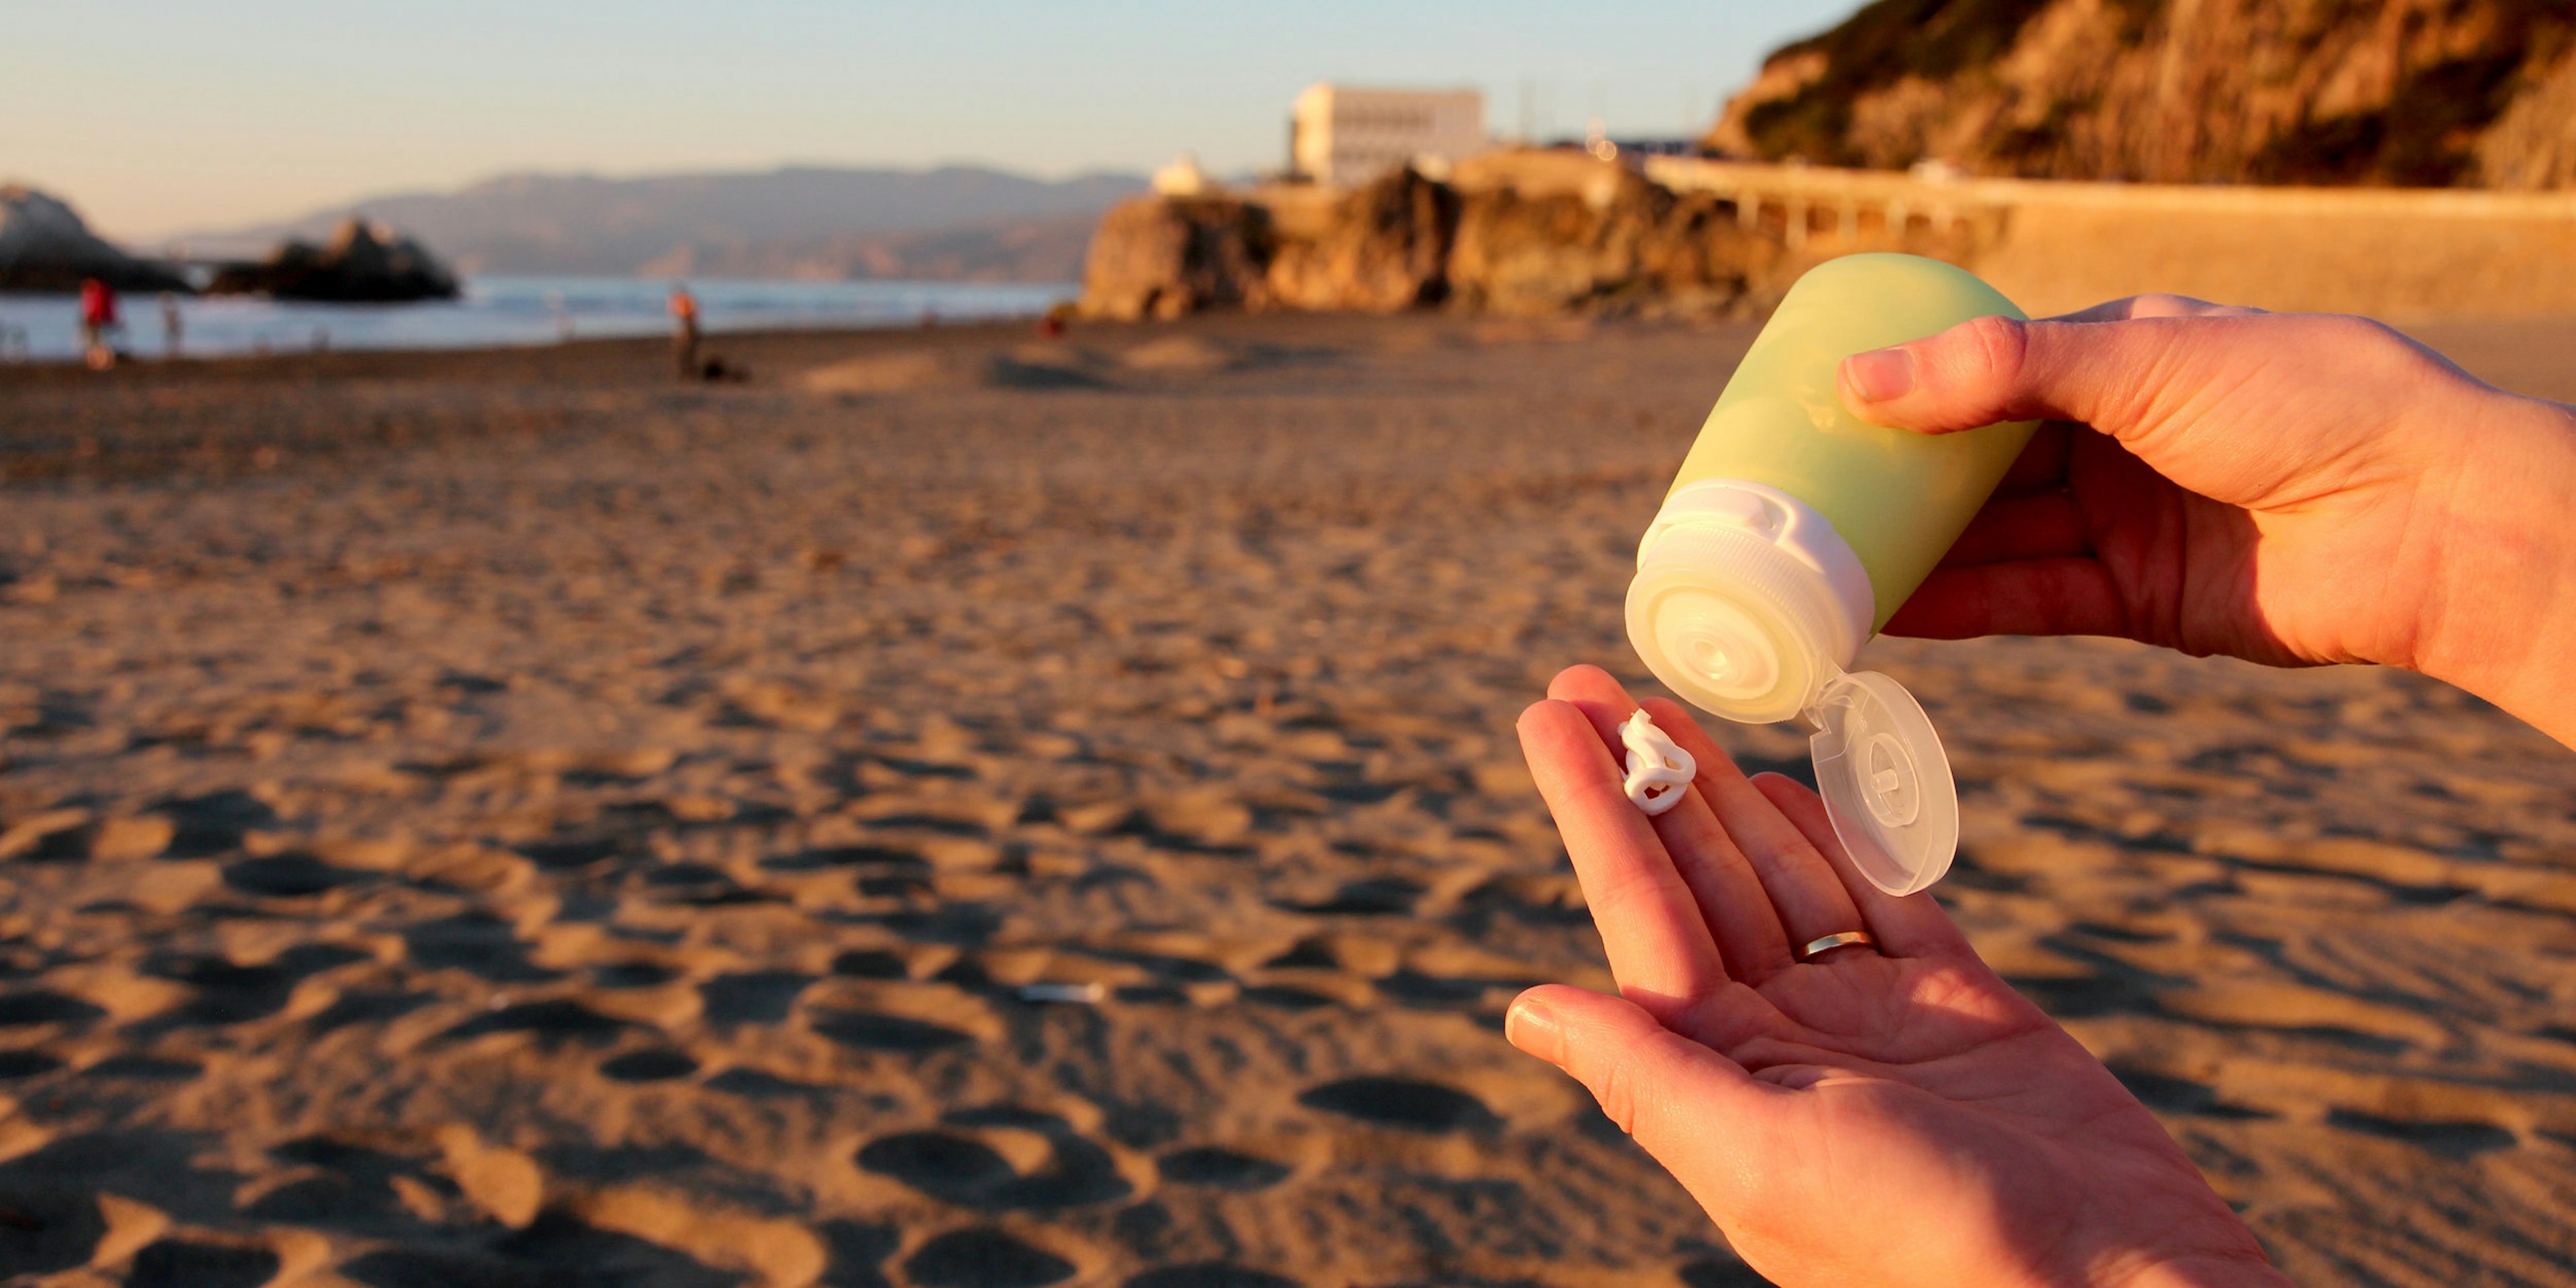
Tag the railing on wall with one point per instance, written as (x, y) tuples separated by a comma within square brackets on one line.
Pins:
[(1804, 193)]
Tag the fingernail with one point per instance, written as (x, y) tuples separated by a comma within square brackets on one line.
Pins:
[(1534, 1027), (1880, 374)]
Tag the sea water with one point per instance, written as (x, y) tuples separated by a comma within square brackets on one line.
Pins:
[(510, 310)]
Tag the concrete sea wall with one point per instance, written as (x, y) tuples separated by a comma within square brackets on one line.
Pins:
[(2402, 254)]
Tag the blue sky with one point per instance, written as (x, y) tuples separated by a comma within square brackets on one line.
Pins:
[(156, 118)]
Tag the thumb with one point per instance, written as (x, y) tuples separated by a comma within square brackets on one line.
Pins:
[(1692, 1108), (1992, 369)]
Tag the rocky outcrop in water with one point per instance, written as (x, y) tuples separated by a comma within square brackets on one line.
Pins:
[(44, 246), (363, 264), (2406, 92), (1529, 233)]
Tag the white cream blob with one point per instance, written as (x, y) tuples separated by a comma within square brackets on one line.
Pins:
[(1659, 771)]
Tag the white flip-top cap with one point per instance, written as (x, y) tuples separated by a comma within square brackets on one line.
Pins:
[(1750, 606), (1886, 781)]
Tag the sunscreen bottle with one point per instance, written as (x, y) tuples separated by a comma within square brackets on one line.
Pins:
[(1795, 529)]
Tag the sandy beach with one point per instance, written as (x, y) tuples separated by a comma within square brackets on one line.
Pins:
[(958, 811)]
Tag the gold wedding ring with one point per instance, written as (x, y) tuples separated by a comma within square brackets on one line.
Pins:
[(1816, 948)]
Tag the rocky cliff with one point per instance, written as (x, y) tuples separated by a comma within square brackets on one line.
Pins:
[(362, 264), (44, 246), (2404, 92), (1526, 234)]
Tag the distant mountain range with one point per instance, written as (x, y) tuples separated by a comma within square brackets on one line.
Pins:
[(955, 223)]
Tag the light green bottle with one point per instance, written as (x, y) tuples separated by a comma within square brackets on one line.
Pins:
[(1794, 530)]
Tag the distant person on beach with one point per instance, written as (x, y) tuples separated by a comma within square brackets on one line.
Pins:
[(2293, 490), (172, 327), (98, 319), (684, 335)]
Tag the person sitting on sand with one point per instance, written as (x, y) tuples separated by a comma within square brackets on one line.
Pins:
[(2293, 490)]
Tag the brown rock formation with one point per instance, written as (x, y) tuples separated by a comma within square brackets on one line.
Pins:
[(1521, 233), (1384, 248), (1163, 257), (44, 246), (363, 264), (2408, 92), (1623, 242)]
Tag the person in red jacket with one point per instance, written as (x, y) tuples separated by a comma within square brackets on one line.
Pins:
[(684, 334), (98, 317)]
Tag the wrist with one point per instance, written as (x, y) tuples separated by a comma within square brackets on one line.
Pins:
[(2501, 622)]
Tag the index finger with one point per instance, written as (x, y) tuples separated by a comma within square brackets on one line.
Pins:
[(1660, 949)]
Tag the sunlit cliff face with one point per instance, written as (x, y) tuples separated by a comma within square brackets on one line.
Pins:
[(2404, 92)]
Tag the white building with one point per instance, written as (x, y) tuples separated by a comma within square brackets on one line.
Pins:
[(1345, 136)]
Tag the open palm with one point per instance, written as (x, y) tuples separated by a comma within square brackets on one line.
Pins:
[(1887, 1116)]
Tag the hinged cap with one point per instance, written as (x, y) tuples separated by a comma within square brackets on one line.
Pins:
[(1885, 780)]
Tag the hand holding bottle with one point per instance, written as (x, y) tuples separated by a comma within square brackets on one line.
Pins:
[(2291, 489)]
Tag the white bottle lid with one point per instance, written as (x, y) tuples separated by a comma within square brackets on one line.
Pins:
[(1750, 606)]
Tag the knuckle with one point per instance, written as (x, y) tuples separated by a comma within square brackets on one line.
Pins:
[(1999, 344), (1614, 1087)]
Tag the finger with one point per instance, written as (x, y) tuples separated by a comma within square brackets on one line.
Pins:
[(2026, 597), (2154, 306), (1906, 926), (1711, 1124), (2122, 378), (1730, 894), (2106, 311), (2035, 525), (1660, 950), (1805, 894)]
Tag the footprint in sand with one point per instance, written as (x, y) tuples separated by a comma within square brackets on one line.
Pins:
[(752, 997), (47, 1228), (871, 963), (959, 1168), (214, 823), (652, 1065), (556, 1249), (847, 856), (622, 975), (26, 1064), (476, 942), (553, 1022), (292, 875), (344, 1186), (2451, 1139), (1402, 1103), (179, 1263), (871, 1031), (1221, 1169), (228, 992), (136, 1067), (1209, 1274), (44, 1006), (983, 1258), (1373, 897), (2167, 1094)]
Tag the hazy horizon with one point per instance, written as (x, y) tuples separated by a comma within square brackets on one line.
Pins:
[(162, 119)]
